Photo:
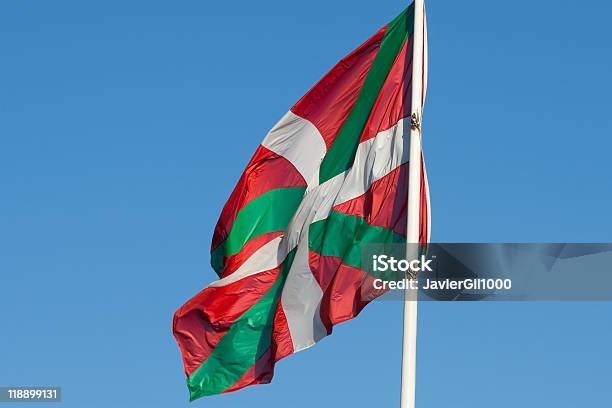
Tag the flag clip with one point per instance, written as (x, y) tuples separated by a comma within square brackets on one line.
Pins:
[(415, 121)]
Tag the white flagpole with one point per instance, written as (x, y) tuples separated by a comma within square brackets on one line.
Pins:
[(408, 387)]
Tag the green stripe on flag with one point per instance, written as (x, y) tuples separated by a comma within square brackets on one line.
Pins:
[(269, 212), (217, 259), (342, 152), (248, 338), (344, 236)]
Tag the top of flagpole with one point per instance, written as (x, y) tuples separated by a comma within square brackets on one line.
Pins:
[(416, 108)]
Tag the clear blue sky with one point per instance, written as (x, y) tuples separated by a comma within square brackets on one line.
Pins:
[(119, 144)]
